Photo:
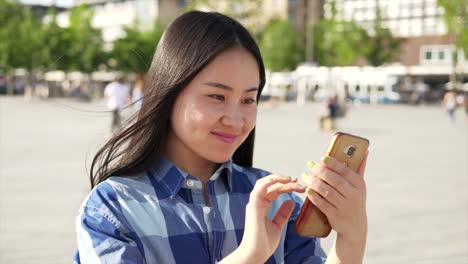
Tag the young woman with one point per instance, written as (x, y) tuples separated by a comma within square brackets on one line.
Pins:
[(178, 186)]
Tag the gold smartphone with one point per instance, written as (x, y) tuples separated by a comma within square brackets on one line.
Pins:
[(348, 149)]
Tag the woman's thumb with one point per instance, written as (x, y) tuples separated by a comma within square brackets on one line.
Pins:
[(283, 214)]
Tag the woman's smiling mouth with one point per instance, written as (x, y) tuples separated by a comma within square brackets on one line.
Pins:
[(225, 137)]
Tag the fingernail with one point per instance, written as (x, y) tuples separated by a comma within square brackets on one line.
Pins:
[(303, 186), (326, 159), (304, 176), (309, 191), (310, 164)]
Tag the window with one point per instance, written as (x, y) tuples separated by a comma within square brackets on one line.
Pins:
[(428, 55), (441, 28), (417, 10), (416, 27), (441, 55), (393, 11), (436, 54), (404, 27), (405, 12), (430, 10)]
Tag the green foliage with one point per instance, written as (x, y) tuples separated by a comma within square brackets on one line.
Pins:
[(456, 19), (28, 43), (342, 43), (22, 37), (57, 42), (339, 43), (86, 52), (133, 53), (6, 31), (244, 11), (382, 45), (280, 46)]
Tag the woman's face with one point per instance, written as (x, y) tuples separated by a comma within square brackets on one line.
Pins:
[(215, 113)]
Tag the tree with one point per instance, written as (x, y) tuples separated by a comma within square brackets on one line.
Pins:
[(85, 53), (58, 41), (7, 20), (244, 11), (280, 46), (456, 20), (133, 52), (338, 43), (382, 46), (22, 44)]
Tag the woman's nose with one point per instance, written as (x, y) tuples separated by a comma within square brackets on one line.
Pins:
[(233, 117)]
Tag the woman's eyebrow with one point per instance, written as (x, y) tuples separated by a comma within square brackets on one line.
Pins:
[(226, 87)]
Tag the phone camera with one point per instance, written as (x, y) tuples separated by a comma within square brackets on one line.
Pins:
[(349, 150)]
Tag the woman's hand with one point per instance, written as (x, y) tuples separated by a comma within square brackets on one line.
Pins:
[(340, 193), (261, 235)]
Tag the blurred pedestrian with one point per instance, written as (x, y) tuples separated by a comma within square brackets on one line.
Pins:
[(118, 97), (462, 101), (137, 93), (178, 186), (328, 113), (450, 104)]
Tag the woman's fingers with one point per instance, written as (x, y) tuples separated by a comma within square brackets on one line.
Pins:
[(362, 167), (334, 181), (261, 186), (332, 178), (325, 206), (340, 169), (284, 212), (270, 187), (328, 192), (277, 189)]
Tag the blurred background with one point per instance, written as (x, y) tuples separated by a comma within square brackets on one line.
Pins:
[(395, 71)]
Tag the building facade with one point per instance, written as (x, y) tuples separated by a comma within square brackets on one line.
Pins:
[(111, 16), (419, 23), (405, 18)]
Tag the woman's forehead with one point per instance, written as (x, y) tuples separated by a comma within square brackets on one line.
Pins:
[(234, 65)]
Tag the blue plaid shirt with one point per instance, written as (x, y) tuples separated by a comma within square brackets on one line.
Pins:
[(160, 217)]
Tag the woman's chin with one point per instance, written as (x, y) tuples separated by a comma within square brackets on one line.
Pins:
[(220, 158)]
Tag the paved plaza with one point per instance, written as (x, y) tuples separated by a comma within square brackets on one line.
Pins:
[(416, 176)]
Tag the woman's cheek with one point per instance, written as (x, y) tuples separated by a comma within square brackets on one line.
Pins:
[(251, 118)]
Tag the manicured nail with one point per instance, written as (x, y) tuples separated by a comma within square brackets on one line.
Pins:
[(310, 164), (305, 176), (303, 186), (309, 191), (326, 159)]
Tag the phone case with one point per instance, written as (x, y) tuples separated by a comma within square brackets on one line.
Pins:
[(348, 149)]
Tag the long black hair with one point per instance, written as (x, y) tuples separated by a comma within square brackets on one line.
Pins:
[(186, 47)]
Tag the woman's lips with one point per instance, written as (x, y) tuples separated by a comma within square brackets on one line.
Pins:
[(224, 137)]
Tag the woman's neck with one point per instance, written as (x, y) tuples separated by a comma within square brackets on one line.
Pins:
[(190, 162)]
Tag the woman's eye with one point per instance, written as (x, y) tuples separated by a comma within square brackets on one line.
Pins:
[(249, 101), (217, 97)]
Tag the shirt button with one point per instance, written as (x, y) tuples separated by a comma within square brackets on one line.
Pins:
[(190, 183), (206, 210)]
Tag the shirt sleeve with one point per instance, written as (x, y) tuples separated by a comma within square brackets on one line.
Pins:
[(102, 237), (299, 249)]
